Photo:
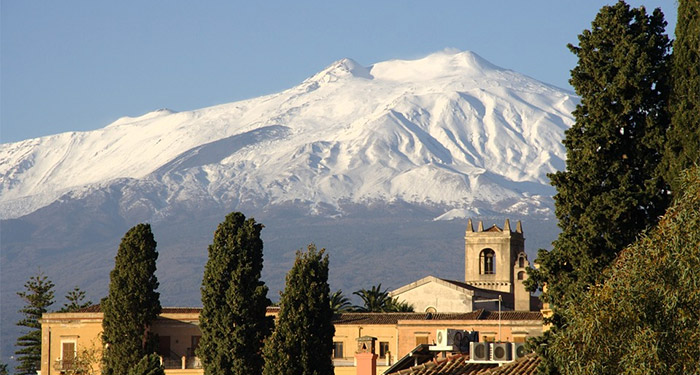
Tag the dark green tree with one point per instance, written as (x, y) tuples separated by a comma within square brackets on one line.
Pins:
[(233, 319), (645, 318), (399, 306), (76, 301), (38, 296), (612, 187), (132, 303), (683, 148), (339, 302), (148, 365), (302, 342), (3, 369), (374, 299)]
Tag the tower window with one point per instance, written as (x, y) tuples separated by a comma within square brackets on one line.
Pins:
[(487, 262), (521, 275), (521, 261)]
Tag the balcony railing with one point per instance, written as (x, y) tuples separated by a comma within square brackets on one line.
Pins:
[(174, 361)]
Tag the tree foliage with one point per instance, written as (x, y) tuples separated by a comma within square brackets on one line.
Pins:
[(682, 150), (234, 300), (339, 302), (132, 303), (38, 296), (645, 319), (76, 301), (374, 299), (377, 300), (612, 187), (148, 365), (302, 342), (610, 191)]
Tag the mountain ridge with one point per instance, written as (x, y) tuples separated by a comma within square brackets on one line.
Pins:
[(362, 133)]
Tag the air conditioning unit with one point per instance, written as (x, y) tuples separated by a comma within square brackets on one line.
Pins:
[(501, 351), (479, 351), (452, 339), (519, 350)]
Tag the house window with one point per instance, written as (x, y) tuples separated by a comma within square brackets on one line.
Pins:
[(337, 349), (383, 348), (487, 262), (67, 355)]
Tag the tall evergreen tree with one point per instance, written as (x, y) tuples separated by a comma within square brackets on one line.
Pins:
[(132, 303), (683, 146), (76, 301), (233, 320), (38, 295), (302, 342), (611, 189)]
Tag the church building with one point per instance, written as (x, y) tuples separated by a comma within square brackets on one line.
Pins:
[(495, 267)]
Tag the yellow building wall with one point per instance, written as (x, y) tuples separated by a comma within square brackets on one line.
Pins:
[(84, 329), (348, 334)]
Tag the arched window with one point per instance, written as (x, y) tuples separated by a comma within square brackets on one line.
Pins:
[(521, 275), (521, 261), (431, 310), (487, 262)]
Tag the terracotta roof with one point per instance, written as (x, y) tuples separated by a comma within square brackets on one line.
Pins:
[(458, 365), (393, 318), (90, 309), (523, 366), (454, 365), (168, 310), (511, 315)]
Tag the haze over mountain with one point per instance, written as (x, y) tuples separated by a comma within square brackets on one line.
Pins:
[(372, 163)]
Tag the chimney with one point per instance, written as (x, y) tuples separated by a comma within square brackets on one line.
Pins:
[(365, 357)]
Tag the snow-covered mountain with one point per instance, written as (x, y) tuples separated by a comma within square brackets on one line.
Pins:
[(377, 164), (449, 129)]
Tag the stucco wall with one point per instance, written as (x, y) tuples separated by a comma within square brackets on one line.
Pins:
[(441, 297)]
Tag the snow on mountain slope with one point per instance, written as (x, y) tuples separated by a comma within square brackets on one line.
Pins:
[(450, 128)]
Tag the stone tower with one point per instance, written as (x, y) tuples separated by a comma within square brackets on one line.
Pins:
[(495, 259)]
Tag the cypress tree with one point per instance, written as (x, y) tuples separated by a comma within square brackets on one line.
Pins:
[(38, 295), (148, 365), (233, 320), (683, 146), (132, 303), (302, 342), (611, 189)]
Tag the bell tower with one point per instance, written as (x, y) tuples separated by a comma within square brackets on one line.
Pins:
[(495, 259)]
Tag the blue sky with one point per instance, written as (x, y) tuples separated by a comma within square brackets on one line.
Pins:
[(79, 65)]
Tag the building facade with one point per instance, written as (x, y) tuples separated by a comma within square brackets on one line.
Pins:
[(495, 267)]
